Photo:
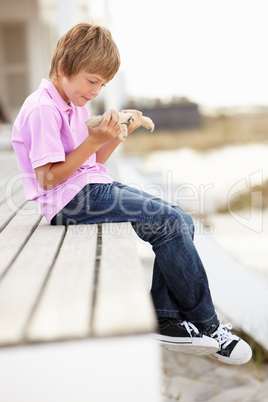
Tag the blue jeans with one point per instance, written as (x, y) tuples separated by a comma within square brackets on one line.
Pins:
[(179, 287)]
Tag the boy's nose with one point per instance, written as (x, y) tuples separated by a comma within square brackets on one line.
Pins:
[(96, 90)]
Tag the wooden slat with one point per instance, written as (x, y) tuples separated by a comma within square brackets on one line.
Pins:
[(123, 304), (16, 234), (64, 310), (8, 173), (10, 186), (10, 207), (11, 190), (8, 167), (22, 284)]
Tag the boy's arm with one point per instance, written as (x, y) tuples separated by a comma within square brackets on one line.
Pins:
[(53, 174), (105, 151)]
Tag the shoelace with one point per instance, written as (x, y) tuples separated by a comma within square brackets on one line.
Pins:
[(224, 336), (189, 327)]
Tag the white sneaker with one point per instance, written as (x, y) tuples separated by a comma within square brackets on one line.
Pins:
[(232, 349)]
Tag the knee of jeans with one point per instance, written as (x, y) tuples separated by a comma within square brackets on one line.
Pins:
[(158, 227), (172, 225), (188, 220)]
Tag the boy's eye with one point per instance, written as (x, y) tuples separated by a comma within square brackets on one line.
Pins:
[(94, 83)]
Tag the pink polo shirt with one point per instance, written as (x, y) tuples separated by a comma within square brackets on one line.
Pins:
[(47, 129)]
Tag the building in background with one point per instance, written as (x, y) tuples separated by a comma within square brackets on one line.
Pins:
[(29, 30), (178, 114)]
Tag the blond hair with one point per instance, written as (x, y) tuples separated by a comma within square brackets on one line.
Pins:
[(86, 47)]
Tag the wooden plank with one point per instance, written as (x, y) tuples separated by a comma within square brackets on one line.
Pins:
[(10, 207), (21, 286), (12, 186), (17, 233), (64, 310), (11, 183), (8, 173), (7, 160), (123, 304), (239, 292), (8, 166), (11, 190)]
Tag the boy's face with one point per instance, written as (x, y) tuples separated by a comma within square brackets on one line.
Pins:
[(80, 88)]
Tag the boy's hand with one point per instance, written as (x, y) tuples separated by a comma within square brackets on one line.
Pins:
[(137, 123), (107, 130)]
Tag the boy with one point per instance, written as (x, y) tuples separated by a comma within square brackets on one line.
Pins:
[(61, 162)]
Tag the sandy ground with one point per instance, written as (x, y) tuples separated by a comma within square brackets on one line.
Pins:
[(189, 378)]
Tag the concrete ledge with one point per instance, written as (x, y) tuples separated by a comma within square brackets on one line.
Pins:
[(115, 369)]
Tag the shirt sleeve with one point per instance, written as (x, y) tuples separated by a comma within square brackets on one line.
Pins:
[(42, 136)]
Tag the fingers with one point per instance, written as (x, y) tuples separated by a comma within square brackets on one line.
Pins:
[(106, 119), (115, 122), (111, 123), (137, 119), (111, 118), (137, 113)]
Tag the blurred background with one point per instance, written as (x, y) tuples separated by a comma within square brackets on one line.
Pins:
[(199, 70)]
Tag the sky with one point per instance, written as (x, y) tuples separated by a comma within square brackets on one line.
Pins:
[(214, 52)]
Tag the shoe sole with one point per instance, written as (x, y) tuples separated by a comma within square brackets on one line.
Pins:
[(191, 346), (232, 361)]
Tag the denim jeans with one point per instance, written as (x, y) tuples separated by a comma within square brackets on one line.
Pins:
[(179, 286)]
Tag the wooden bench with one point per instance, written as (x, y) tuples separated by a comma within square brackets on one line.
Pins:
[(75, 314)]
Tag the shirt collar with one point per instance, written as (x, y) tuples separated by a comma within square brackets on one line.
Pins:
[(53, 92)]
